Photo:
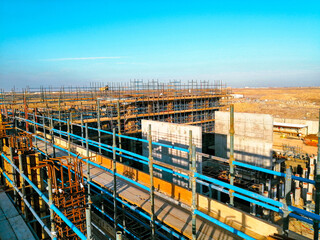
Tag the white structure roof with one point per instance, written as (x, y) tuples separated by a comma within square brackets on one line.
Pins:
[(289, 125)]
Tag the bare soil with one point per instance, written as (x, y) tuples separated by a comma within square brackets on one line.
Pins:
[(296, 103)]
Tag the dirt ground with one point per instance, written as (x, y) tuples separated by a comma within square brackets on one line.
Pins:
[(297, 103), (278, 143)]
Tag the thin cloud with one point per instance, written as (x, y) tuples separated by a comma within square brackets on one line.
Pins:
[(79, 58)]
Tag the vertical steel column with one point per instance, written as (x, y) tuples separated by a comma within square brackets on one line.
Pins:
[(41, 187), (52, 137), (231, 159), (190, 158), (45, 137), (317, 189), (34, 119), (3, 179), (99, 125), (114, 168), (53, 227), (152, 222), (23, 186), (81, 117), (35, 127), (30, 177), (88, 221), (68, 132), (14, 177), (287, 189), (194, 193), (59, 116), (71, 125), (88, 209), (119, 128)]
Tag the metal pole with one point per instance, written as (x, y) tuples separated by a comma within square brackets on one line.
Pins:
[(119, 128), (52, 138), (115, 217), (287, 189), (71, 125), (34, 119), (231, 159), (88, 209), (35, 127), (41, 187), (317, 189), (98, 122), (53, 227), (30, 177), (88, 221), (68, 132), (81, 116), (45, 137), (22, 185), (152, 222), (59, 116), (194, 192), (190, 157), (14, 176)]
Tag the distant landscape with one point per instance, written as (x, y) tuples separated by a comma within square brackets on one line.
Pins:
[(294, 102)]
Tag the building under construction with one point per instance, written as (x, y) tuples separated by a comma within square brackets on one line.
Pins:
[(83, 163)]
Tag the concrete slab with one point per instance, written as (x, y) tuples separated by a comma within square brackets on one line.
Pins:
[(12, 225), (6, 231)]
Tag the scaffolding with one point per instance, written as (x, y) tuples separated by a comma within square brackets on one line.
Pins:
[(193, 102)]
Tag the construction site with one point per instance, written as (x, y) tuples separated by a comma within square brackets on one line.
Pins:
[(153, 160)]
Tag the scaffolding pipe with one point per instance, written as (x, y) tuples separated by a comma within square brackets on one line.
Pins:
[(71, 125), (223, 225), (52, 224), (59, 104), (88, 209), (68, 133), (119, 128), (288, 187), (99, 124), (194, 193), (190, 158), (81, 116), (114, 181), (231, 159), (151, 184), (317, 189), (45, 136), (22, 185), (14, 177), (52, 137)]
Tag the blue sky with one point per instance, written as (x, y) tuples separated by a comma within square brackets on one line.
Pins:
[(243, 43)]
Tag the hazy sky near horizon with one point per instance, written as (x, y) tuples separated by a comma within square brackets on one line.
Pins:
[(242, 43)]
